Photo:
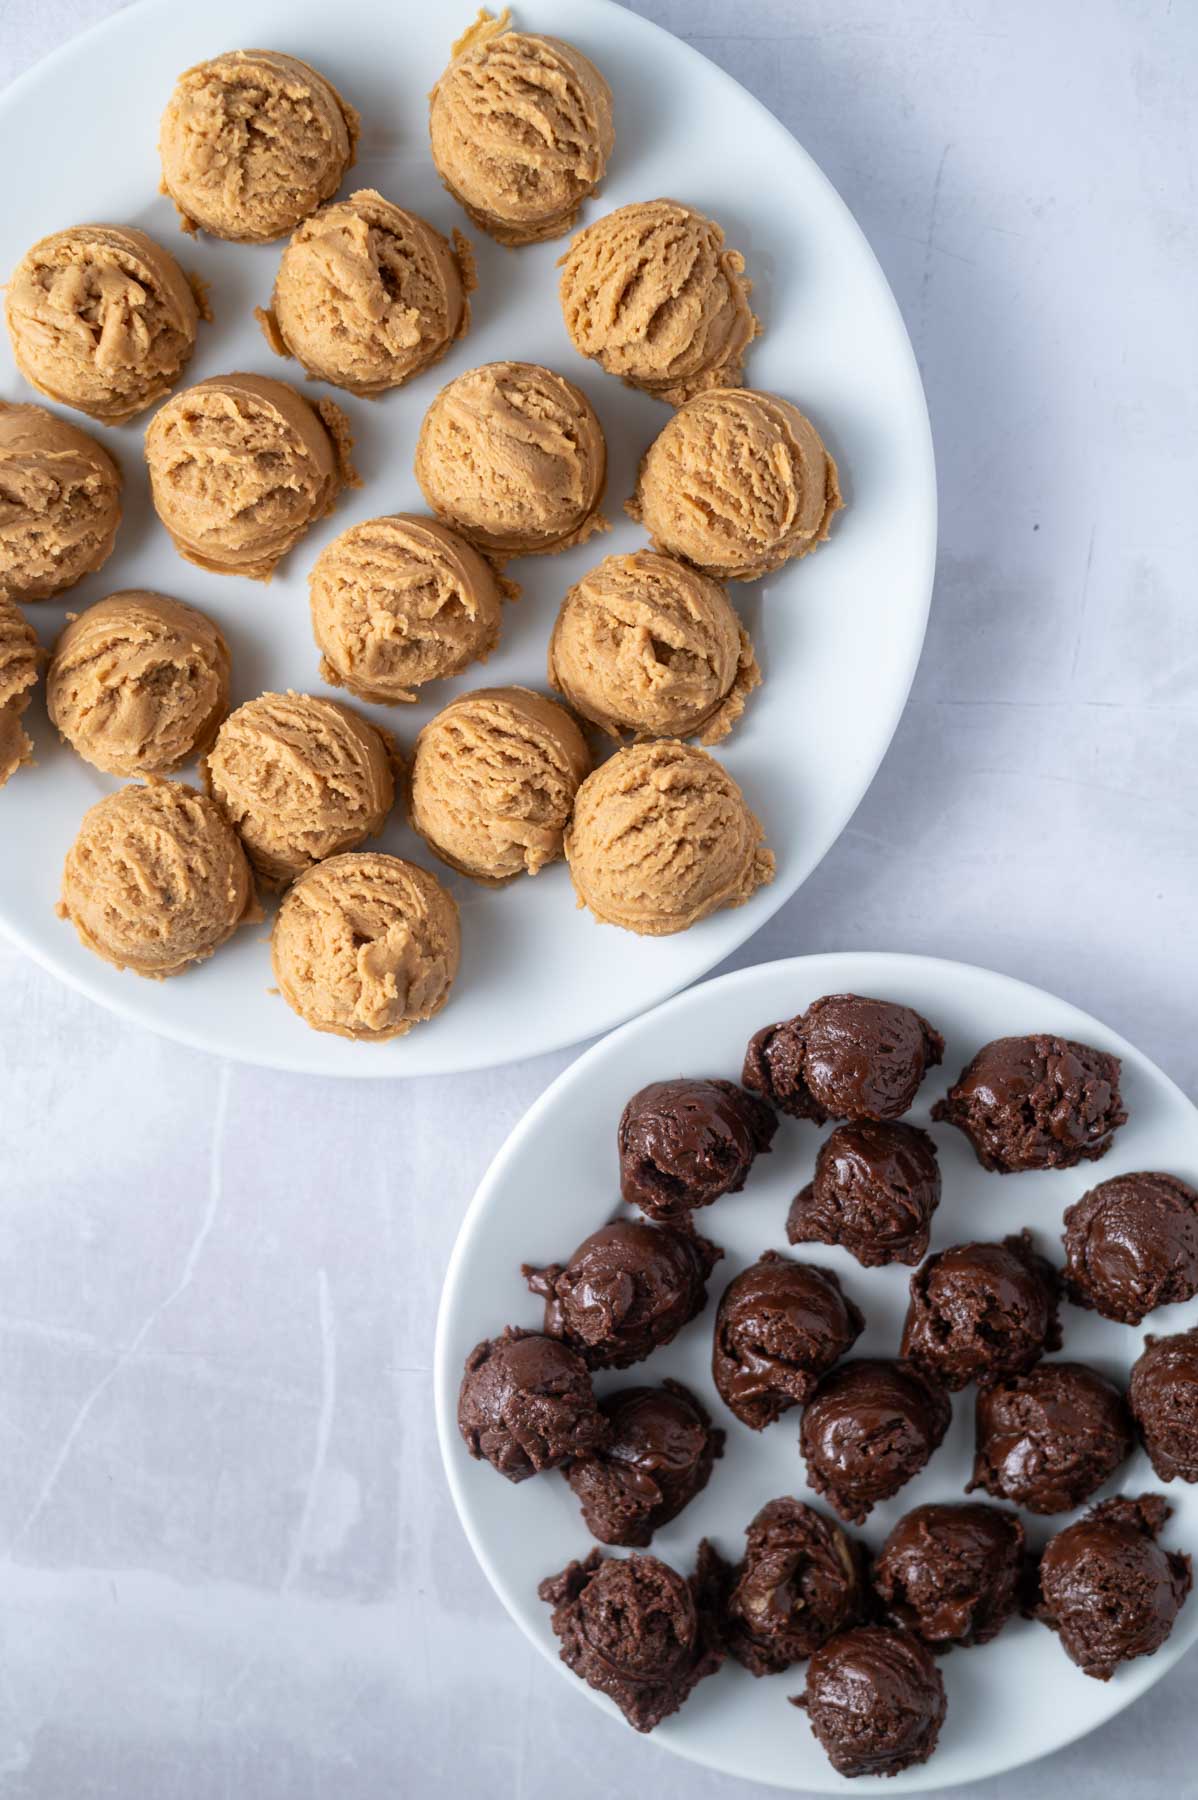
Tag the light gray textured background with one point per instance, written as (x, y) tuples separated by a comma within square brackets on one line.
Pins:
[(228, 1564)]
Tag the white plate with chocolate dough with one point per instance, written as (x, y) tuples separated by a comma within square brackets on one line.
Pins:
[(837, 634)]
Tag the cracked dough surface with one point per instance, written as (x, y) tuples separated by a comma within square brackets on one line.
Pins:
[(20, 656), (60, 503)]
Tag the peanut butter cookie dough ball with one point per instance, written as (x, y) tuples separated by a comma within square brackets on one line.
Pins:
[(156, 879), (366, 946), (300, 779), (60, 503), (368, 295), (252, 142), (513, 456), (661, 837), (19, 659), (647, 645), (241, 466), (400, 601), (138, 684), (737, 484), (521, 130), (493, 782), (651, 293)]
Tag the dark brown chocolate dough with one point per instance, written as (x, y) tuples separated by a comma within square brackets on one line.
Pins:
[(781, 1324), (685, 1143), (1108, 1589), (979, 1311), (1131, 1245), (801, 1580), (876, 1187), (526, 1404), (1047, 1439), (952, 1574), (876, 1701), (635, 1630), (1164, 1403), (658, 1457), (846, 1057), (628, 1288), (868, 1428), (1036, 1103)]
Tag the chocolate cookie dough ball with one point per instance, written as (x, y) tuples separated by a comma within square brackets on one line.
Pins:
[(801, 1580), (737, 483), (658, 1457), (20, 657), (1108, 1589), (1046, 1440), (252, 142), (685, 1143), (628, 1289), (662, 837), (366, 946), (520, 129), (634, 1630), (300, 779), (868, 1429), (876, 1186), (1036, 1103), (844, 1058), (61, 503), (156, 880), (512, 456), (101, 318), (138, 684), (645, 645), (525, 1404), (780, 1326), (493, 782), (952, 1575), (368, 295), (875, 1700), (981, 1311), (654, 296), (1131, 1245), (1164, 1403)]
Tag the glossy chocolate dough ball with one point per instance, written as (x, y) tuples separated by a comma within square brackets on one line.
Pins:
[(1046, 1440), (684, 1143), (1036, 1103), (801, 1580), (869, 1427), (1108, 1589), (781, 1324), (875, 1700), (1131, 1245), (526, 1404), (846, 1057), (876, 1187), (658, 1457), (981, 1311), (1164, 1401), (952, 1574)]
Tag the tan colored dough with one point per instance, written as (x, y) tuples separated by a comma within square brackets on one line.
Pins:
[(493, 782), (661, 837), (101, 318), (737, 483), (646, 644), (366, 946), (252, 142), (513, 456), (400, 601), (520, 129), (20, 657), (300, 778), (60, 503), (156, 880), (139, 683), (240, 467), (16, 747), (651, 293)]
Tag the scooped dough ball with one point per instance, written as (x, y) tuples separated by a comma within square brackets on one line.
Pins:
[(241, 466), (156, 879), (645, 644), (368, 295), (101, 318), (300, 778), (513, 456), (661, 837), (1037, 1102), (252, 142), (493, 782), (1108, 1589), (737, 483), (1047, 1439), (651, 293), (1163, 1393), (366, 946), (60, 503), (400, 601), (876, 1701), (138, 684), (521, 130), (19, 658)]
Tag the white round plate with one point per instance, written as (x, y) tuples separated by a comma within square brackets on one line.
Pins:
[(838, 637), (556, 1180)]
